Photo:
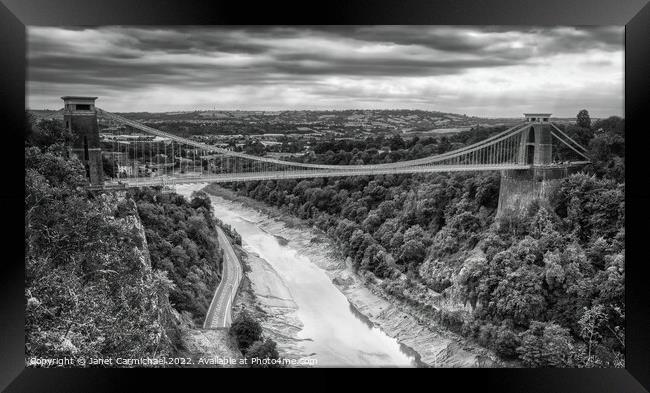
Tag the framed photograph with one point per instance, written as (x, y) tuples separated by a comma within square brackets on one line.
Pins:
[(435, 185)]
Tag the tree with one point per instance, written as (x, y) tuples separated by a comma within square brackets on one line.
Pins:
[(386, 265), (506, 343), (246, 330), (386, 231), (414, 233), (546, 344), (110, 167), (582, 135), (45, 133), (264, 352), (444, 145), (255, 148), (412, 253), (613, 124), (590, 322), (583, 119), (396, 142), (519, 296), (607, 148), (201, 199), (487, 191), (61, 174), (471, 280)]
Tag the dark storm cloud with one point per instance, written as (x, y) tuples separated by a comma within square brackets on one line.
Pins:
[(481, 47), (195, 41), (57, 61), (320, 63), (447, 39), (487, 40), (108, 60)]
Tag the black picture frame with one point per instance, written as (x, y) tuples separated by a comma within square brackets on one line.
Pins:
[(634, 14)]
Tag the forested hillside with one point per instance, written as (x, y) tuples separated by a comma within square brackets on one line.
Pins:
[(544, 288), (89, 287), (106, 275), (183, 242)]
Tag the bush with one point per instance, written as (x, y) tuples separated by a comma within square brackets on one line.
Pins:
[(546, 344), (506, 343), (262, 350), (246, 331)]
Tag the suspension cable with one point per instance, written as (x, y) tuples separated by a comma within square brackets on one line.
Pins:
[(569, 138)]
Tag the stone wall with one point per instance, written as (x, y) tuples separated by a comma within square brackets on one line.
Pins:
[(521, 187)]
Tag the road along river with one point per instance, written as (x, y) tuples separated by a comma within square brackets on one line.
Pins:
[(324, 325)]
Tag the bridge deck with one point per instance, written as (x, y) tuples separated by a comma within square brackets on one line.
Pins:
[(301, 174)]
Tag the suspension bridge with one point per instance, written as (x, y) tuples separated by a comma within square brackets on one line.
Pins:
[(140, 155), (147, 156)]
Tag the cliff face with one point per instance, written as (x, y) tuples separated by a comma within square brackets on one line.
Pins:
[(167, 321), (178, 332), (98, 296)]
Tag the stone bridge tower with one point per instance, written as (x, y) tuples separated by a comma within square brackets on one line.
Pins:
[(80, 117), (520, 187), (536, 146)]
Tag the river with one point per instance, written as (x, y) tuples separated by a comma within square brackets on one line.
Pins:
[(332, 331)]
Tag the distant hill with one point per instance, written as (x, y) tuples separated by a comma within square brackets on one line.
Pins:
[(409, 123), (46, 114)]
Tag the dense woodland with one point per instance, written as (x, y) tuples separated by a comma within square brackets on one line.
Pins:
[(182, 242), (544, 288)]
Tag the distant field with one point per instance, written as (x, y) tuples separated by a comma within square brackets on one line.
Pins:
[(440, 131)]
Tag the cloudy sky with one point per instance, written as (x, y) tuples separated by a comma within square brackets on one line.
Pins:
[(482, 71)]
